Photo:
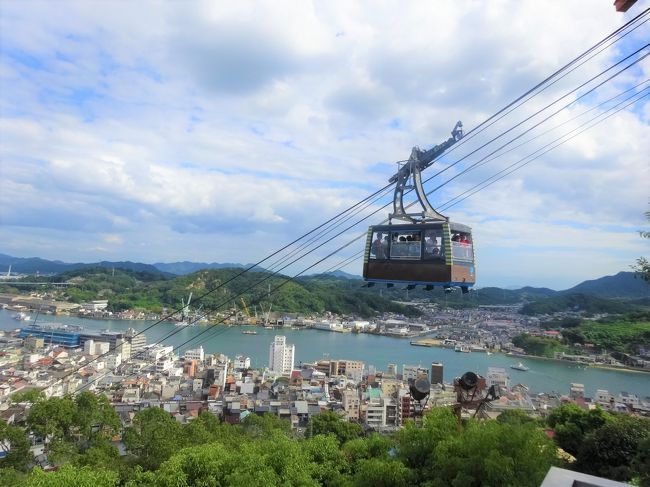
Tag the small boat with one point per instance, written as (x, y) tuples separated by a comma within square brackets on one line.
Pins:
[(461, 347), (488, 352), (21, 316), (519, 366), (249, 332)]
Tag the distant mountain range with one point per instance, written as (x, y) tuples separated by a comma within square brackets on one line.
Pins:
[(185, 267), (622, 285), (36, 265)]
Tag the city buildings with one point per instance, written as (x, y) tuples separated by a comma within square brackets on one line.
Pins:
[(281, 356)]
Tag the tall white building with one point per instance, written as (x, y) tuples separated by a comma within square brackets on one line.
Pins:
[(281, 356)]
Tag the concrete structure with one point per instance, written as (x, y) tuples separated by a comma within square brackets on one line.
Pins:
[(437, 370), (577, 391), (112, 360), (352, 369), (281, 355), (497, 376), (412, 372), (241, 362), (93, 306), (195, 354), (351, 403), (164, 364), (559, 477)]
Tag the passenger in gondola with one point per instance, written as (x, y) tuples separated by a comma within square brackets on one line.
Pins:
[(455, 238), (378, 247)]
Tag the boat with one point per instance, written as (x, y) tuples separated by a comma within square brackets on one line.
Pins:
[(519, 366), (461, 347), (21, 316), (488, 352), (249, 332), (184, 323)]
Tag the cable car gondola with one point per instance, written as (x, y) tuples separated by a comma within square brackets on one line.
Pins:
[(428, 249)]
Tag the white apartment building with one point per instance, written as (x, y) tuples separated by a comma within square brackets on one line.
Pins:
[(164, 364), (497, 376), (113, 361), (156, 352), (281, 355), (576, 390), (102, 348), (91, 347), (123, 347), (603, 397), (351, 403), (241, 362), (413, 372), (195, 354)]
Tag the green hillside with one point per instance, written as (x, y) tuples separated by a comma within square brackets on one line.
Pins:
[(577, 302), (127, 289)]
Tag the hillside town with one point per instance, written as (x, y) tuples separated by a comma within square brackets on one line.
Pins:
[(66, 359)]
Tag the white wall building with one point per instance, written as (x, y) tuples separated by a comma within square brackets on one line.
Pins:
[(89, 347), (281, 355), (113, 361), (497, 376), (164, 364), (101, 348), (413, 372), (155, 352), (195, 354), (241, 362)]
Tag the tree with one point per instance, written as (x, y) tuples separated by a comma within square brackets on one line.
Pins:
[(491, 453), (572, 424), (14, 441), (154, 437), (204, 429), (31, 396), (641, 463), (441, 452), (95, 417), (71, 475), (331, 423), (256, 426), (642, 266), (416, 444), (514, 416), (53, 418), (330, 463), (377, 472), (610, 450)]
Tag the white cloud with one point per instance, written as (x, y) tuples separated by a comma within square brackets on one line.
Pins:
[(176, 132)]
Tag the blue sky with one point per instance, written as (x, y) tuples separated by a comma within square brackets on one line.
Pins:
[(201, 131)]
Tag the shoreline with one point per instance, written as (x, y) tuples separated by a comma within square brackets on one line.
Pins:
[(623, 368)]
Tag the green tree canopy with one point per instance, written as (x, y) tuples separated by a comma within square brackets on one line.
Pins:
[(154, 437), (331, 423)]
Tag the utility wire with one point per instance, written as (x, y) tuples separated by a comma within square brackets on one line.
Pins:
[(546, 83), (503, 173), (328, 222), (582, 128)]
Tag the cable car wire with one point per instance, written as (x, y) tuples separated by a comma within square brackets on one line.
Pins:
[(603, 116), (332, 220)]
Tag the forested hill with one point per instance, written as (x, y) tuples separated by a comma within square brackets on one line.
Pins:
[(578, 302), (36, 265), (127, 289), (621, 285)]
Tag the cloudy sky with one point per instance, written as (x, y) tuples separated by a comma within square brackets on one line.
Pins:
[(220, 131)]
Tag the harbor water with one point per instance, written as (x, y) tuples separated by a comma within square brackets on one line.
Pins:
[(377, 351)]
